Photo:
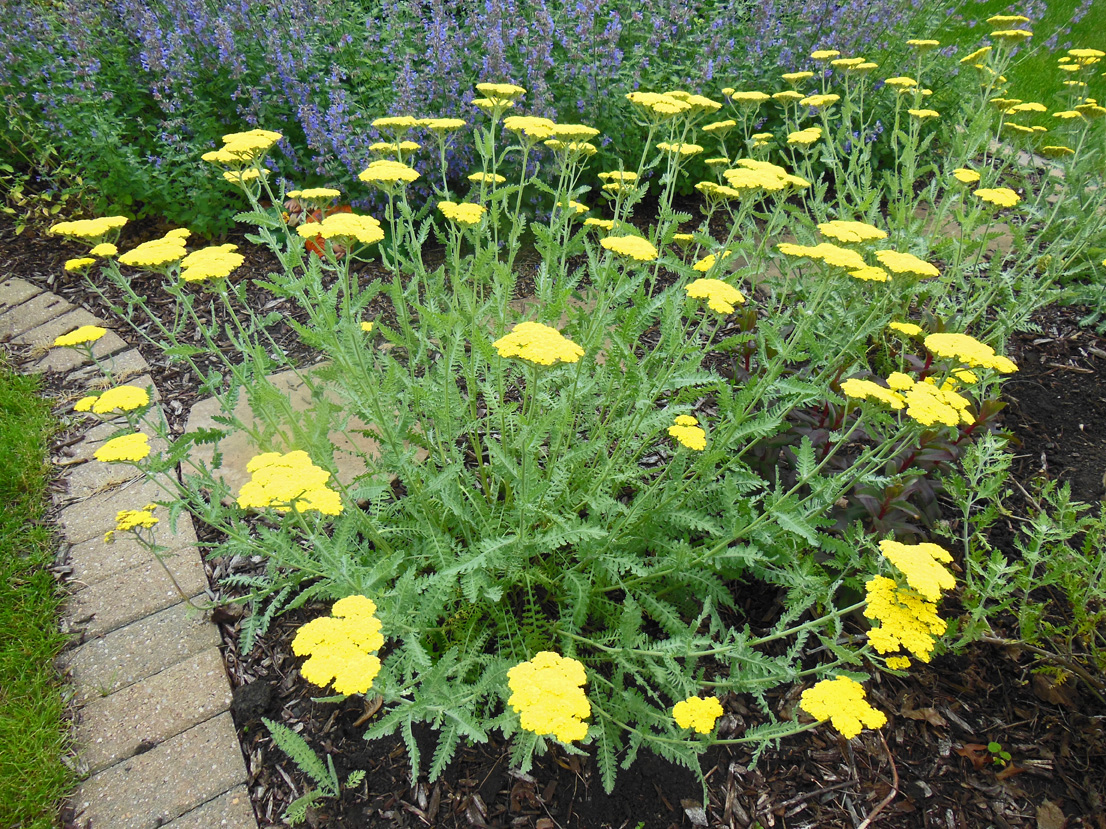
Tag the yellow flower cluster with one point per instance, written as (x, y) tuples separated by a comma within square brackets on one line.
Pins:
[(965, 176), (697, 713), (824, 54), (539, 344), (922, 114), (215, 262), (805, 137), (395, 146), (241, 148), (689, 433), (126, 448), (364, 229), (907, 620), (752, 172), (819, 101), (826, 252), (79, 264), (998, 196), (908, 328), (395, 123), (341, 647), (632, 247), (88, 229), (532, 127), (845, 231), (464, 213), (315, 193), (574, 132), (658, 104), (707, 262), (286, 481), (906, 263), (677, 148), (486, 178), (928, 404), (388, 172), (869, 390), (81, 336), (131, 519), (547, 692), (157, 253), (841, 701), (721, 127), (603, 224), (923, 565), (746, 97), (442, 125), (118, 399), (500, 93), (969, 351), (721, 297), (104, 249)]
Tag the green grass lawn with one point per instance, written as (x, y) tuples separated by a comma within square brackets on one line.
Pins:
[(32, 740), (1034, 77)]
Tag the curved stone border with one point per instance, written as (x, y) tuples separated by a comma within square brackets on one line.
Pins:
[(153, 728)]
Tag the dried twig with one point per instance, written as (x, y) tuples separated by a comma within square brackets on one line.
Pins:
[(864, 824)]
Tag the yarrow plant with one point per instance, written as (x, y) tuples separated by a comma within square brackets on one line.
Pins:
[(568, 493)]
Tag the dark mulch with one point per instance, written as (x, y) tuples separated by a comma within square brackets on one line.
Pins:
[(927, 768)]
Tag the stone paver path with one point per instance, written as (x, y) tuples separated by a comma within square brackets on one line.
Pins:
[(153, 724)]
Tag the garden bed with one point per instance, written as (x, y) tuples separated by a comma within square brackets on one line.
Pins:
[(933, 769)]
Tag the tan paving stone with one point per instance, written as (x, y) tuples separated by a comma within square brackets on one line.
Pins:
[(150, 789), (122, 367), (130, 654), (31, 314), (153, 710), (94, 516), (228, 811), (135, 594), (47, 358), (14, 291), (93, 477), (64, 360), (95, 560)]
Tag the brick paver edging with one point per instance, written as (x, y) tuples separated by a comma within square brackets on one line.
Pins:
[(153, 723)]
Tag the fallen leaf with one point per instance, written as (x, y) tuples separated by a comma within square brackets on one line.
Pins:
[(976, 753), (1050, 816), (1009, 771), (1049, 690), (930, 715)]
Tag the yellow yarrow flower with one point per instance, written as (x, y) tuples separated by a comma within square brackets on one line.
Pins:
[(922, 564), (923, 45), (969, 351), (121, 399), (1007, 19), (897, 663), (341, 647), (846, 63), (632, 247), (388, 172), (869, 390), (81, 336), (539, 344), (366, 327), (998, 196), (787, 96), (534, 128), (1012, 34), (908, 328), (901, 82), (442, 125), (906, 263), (680, 149), (284, 481), (80, 264), (870, 274), (129, 519), (721, 297), (347, 226), (927, 404), (796, 77), (604, 224), (547, 693), (574, 132), (395, 123), (965, 176), (923, 114), (841, 701), (689, 433), (88, 229), (1056, 151), (697, 713), (315, 193), (157, 253), (907, 620), (819, 101), (500, 91), (707, 262), (464, 213), (216, 262), (804, 137), (751, 97), (486, 178), (126, 448), (824, 54), (104, 249), (847, 231)]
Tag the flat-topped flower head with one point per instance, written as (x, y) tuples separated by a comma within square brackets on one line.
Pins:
[(602, 224), (344, 226), (386, 173), (1007, 19), (157, 253), (88, 229), (998, 196), (104, 250), (1012, 34), (824, 54), (923, 566), (132, 519), (788, 96), (846, 63), (906, 620), (901, 83), (574, 132), (977, 55), (926, 403), (396, 124), (284, 481), (697, 713), (969, 351), (819, 101), (120, 399), (126, 448), (619, 175), (708, 261), (841, 701), (923, 114), (721, 128), (342, 646), (870, 273), (314, 193), (631, 247), (243, 148), (965, 176), (464, 213), (547, 693), (746, 98), (687, 432), (658, 105), (721, 297), (84, 335), (503, 92), (804, 138), (906, 263), (395, 147), (216, 262), (537, 343), (907, 328), (486, 178), (923, 45), (851, 232), (676, 148), (81, 263), (796, 77), (533, 128), (1056, 151)]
